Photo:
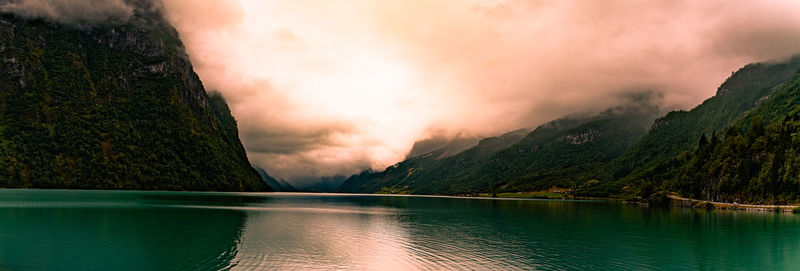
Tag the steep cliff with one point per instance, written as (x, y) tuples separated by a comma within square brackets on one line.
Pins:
[(111, 105)]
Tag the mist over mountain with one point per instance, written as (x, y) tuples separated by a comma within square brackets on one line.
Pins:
[(450, 145), (737, 146), (392, 179), (325, 184), (275, 184), (673, 133), (519, 161), (80, 13)]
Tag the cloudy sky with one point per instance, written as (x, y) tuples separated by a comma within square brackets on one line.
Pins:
[(324, 87)]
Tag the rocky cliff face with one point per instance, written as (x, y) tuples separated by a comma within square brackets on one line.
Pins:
[(111, 105)]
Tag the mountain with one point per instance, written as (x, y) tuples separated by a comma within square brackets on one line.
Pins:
[(550, 155), (392, 180), (446, 146), (651, 159), (615, 154), (544, 157), (326, 184), (112, 105), (757, 159), (569, 152), (275, 184)]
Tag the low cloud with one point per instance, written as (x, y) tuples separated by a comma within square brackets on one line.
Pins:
[(73, 12)]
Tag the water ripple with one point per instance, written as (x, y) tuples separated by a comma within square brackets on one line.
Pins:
[(74, 230)]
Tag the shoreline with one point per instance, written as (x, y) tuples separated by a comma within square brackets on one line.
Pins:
[(694, 203), (674, 201), (681, 202)]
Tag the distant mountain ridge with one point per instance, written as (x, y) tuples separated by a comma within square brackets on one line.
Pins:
[(510, 156), (275, 184), (326, 184), (392, 180)]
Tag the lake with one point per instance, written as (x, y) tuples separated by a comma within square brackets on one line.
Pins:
[(121, 230)]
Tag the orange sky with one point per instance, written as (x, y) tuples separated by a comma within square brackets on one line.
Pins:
[(335, 87)]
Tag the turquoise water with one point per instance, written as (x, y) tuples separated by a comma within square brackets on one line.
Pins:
[(114, 230)]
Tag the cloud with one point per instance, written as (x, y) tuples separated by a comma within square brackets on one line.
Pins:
[(328, 88), (538, 60), (73, 12)]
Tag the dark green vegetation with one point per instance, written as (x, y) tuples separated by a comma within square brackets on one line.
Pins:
[(739, 145), (115, 106), (395, 178), (757, 159), (679, 131)]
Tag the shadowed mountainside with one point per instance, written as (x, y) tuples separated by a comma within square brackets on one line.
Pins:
[(113, 105)]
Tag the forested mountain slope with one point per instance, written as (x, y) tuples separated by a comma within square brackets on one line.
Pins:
[(393, 179), (755, 160), (679, 130), (515, 160), (112, 105), (549, 155)]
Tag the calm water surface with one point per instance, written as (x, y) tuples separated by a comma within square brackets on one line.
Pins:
[(113, 230)]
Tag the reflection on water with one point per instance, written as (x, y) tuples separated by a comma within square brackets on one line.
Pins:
[(102, 230)]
